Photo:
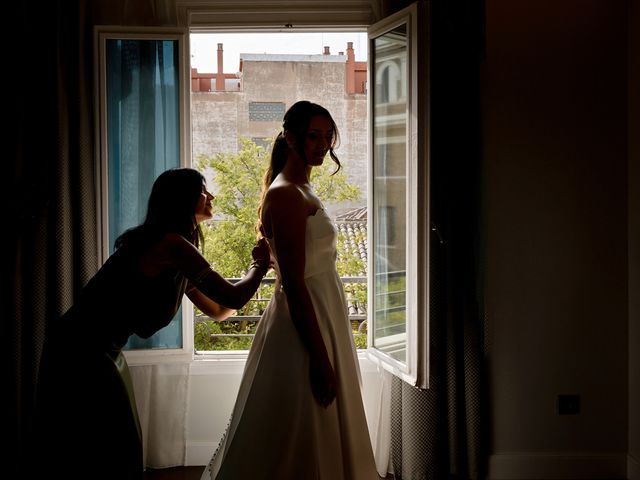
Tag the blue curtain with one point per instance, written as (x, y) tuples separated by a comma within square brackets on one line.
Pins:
[(143, 140)]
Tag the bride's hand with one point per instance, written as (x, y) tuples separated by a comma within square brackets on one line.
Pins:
[(323, 381)]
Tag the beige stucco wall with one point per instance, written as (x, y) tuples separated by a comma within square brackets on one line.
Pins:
[(219, 118)]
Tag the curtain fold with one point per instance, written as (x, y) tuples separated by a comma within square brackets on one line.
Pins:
[(143, 134), (381, 440), (52, 247), (161, 397), (52, 202)]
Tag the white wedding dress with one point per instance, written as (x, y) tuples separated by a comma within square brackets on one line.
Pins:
[(277, 430)]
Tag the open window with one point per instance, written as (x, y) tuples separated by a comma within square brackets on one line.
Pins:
[(399, 195), (398, 187), (242, 85)]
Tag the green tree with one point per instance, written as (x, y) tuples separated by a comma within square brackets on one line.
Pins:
[(237, 186)]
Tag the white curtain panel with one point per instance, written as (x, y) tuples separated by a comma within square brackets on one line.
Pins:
[(381, 425), (161, 397)]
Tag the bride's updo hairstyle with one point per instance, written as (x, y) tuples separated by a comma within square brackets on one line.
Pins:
[(296, 122)]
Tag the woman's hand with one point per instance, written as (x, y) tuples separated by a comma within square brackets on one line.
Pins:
[(323, 381)]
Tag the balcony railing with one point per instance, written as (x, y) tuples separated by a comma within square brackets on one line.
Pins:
[(238, 330), (217, 340)]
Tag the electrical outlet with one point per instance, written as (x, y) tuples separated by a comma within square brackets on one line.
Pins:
[(568, 404)]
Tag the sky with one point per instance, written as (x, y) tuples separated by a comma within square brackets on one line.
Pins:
[(205, 46)]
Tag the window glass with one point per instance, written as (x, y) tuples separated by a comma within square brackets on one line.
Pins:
[(143, 140), (390, 193), (266, 111)]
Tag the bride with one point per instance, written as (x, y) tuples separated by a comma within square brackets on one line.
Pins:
[(299, 412)]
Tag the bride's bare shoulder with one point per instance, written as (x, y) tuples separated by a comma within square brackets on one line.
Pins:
[(283, 194)]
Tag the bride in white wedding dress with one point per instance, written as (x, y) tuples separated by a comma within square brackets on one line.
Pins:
[(299, 412)]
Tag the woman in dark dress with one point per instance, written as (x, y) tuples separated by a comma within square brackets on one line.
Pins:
[(87, 419)]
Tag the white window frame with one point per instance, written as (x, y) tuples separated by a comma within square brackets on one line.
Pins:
[(102, 33), (222, 16), (415, 369)]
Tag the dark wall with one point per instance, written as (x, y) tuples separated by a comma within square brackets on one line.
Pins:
[(634, 238), (555, 167)]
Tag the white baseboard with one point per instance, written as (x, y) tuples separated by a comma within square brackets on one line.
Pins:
[(511, 466), (633, 468), (552, 466), (199, 453)]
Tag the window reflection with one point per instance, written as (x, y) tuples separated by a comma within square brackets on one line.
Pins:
[(390, 123)]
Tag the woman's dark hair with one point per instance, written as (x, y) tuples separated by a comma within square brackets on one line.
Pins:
[(296, 121), (171, 208)]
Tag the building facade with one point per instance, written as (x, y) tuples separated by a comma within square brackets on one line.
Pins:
[(252, 102)]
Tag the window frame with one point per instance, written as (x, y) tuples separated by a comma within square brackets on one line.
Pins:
[(415, 368), (195, 16), (323, 19), (102, 33)]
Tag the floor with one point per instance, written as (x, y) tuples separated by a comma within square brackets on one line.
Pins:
[(180, 473), (176, 473)]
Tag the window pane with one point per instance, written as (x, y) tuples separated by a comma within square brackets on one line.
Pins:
[(389, 192), (143, 119), (232, 133), (266, 111)]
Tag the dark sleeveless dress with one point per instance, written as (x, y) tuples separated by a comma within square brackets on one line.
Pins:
[(87, 422)]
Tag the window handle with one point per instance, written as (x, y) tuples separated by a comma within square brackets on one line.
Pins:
[(435, 230)]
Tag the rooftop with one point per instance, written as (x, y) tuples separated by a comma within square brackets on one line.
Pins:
[(286, 57)]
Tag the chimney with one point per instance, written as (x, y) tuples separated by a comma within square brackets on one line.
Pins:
[(350, 65), (326, 51), (220, 74), (350, 53)]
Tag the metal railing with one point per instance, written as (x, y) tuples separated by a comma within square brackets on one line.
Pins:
[(391, 305), (356, 314)]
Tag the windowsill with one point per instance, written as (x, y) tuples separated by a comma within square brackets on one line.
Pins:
[(207, 360), (222, 362), (154, 357), (238, 354)]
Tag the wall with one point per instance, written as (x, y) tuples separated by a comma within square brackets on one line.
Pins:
[(554, 113), (633, 55)]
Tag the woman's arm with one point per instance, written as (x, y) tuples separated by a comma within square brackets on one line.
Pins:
[(287, 214), (207, 306), (185, 257)]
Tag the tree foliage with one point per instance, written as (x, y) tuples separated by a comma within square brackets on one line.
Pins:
[(237, 185)]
